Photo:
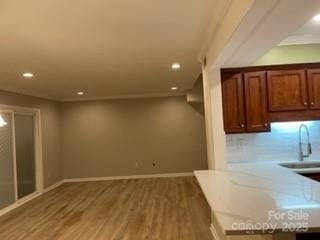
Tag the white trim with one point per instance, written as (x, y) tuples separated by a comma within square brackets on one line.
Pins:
[(38, 139), (14, 154), (133, 96), (38, 151), (28, 94), (58, 184), (95, 179), (214, 232), (53, 186), (28, 198), (76, 99), (19, 203), (8, 209), (18, 109)]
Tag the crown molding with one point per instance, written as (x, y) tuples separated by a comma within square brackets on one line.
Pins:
[(80, 99), (133, 96), (25, 93)]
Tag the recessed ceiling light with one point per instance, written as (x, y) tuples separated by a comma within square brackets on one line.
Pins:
[(175, 66), (174, 88), (317, 18), (28, 75), (80, 93)]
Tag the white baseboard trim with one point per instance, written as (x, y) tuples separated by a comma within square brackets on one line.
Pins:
[(53, 186), (7, 209), (214, 232), (96, 179), (28, 198), (19, 203)]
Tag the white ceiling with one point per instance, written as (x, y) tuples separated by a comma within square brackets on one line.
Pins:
[(105, 48), (309, 33)]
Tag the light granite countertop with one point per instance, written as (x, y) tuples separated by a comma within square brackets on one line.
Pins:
[(261, 197)]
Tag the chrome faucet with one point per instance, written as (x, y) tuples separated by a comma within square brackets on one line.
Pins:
[(301, 154)]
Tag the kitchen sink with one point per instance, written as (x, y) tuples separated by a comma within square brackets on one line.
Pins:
[(301, 165)]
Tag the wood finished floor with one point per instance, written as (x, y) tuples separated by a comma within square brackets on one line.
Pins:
[(140, 209)]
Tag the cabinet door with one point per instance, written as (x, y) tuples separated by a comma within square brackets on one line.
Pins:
[(314, 176), (314, 88), (233, 103), (287, 90), (256, 101)]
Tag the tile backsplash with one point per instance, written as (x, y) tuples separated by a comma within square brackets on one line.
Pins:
[(281, 144)]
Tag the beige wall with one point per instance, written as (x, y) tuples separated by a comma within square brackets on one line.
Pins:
[(50, 120), (303, 53), (125, 137), (117, 137), (195, 94)]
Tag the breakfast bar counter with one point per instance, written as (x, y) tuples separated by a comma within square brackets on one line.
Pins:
[(261, 198)]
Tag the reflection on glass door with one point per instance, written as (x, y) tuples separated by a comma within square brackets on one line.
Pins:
[(17, 157), (7, 178), (25, 154)]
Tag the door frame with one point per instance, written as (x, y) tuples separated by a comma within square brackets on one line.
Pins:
[(35, 112)]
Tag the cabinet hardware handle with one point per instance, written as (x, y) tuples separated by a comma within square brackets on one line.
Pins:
[(266, 124), (305, 103), (242, 125), (312, 103)]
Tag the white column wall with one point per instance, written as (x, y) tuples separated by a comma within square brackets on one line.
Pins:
[(216, 143)]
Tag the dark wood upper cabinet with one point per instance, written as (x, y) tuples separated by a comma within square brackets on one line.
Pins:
[(233, 103), (253, 97), (256, 101), (287, 90), (314, 88)]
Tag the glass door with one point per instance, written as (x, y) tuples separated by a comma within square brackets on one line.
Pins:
[(7, 172), (25, 154), (17, 157)]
